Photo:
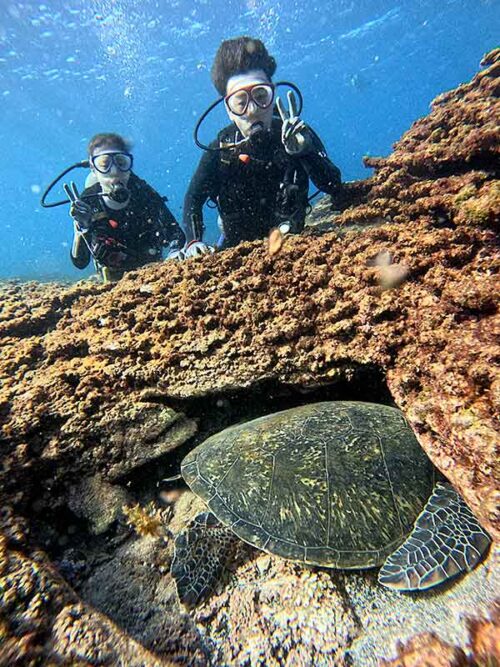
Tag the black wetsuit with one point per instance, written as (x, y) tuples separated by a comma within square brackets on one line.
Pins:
[(256, 185), (129, 237)]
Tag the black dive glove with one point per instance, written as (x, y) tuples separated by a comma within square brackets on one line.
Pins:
[(295, 135), (80, 211)]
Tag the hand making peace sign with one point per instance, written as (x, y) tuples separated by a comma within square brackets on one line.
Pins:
[(80, 211), (295, 134)]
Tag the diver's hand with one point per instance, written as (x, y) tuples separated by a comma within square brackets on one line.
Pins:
[(284, 228), (295, 135), (81, 213), (79, 210), (177, 255), (197, 249)]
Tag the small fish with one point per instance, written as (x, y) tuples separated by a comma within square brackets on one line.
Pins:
[(390, 274), (393, 275), (275, 241)]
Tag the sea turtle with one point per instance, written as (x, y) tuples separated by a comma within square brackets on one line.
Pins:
[(339, 484)]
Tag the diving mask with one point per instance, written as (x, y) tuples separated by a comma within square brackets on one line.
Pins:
[(103, 162), (261, 94)]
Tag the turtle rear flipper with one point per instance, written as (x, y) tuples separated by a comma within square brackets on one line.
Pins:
[(447, 539), (200, 555)]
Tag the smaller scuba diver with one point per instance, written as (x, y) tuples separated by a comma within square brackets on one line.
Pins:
[(119, 220), (257, 171), (128, 224)]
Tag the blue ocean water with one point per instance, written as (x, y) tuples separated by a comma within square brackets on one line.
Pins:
[(72, 68)]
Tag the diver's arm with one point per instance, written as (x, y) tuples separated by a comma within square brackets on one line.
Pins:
[(292, 201), (302, 142), (81, 213), (80, 253), (322, 172), (204, 184)]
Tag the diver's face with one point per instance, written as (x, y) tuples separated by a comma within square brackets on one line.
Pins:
[(116, 173), (254, 111)]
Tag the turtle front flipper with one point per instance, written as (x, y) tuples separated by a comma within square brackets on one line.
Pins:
[(200, 555), (447, 539)]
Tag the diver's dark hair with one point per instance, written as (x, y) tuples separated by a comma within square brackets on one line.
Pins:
[(109, 140), (238, 55)]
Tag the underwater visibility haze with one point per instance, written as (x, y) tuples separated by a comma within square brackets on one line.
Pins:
[(367, 70)]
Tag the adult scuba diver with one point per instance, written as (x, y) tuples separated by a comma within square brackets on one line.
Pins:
[(119, 220), (257, 171)]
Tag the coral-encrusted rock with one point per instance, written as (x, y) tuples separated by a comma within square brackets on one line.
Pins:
[(268, 611), (428, 651), (485, 638), (280, 614), (42, 621), (30, 309), (98, 502), (404, 286), (136, 591)]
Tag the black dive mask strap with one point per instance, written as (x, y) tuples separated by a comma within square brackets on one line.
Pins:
[(243, 141)]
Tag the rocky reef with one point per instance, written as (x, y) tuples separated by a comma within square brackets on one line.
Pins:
[(389, 296)]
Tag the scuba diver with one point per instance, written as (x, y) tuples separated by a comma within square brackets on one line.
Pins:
[(257, 171), (119, 220)]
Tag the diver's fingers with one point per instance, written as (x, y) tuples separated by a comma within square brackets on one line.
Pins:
[(69, 192), (281, 109), (299, 127), (292, 104), (75, 190), (291, 127)]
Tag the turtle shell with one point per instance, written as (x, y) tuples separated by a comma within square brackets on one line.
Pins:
[(337, 484)]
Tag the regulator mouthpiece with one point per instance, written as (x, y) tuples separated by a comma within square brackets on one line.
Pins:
[(256, 128), (119, 193)]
